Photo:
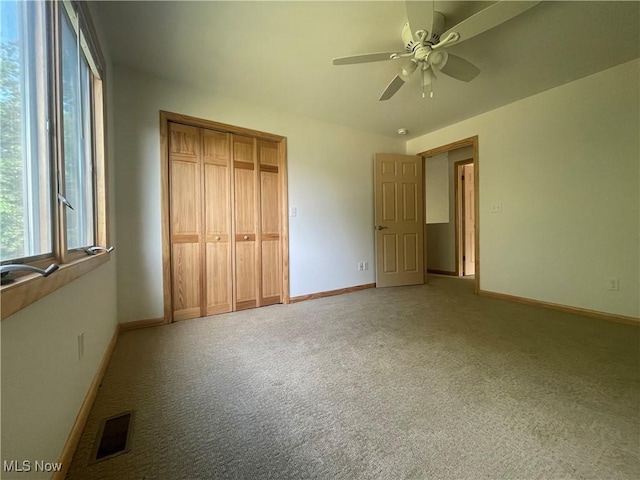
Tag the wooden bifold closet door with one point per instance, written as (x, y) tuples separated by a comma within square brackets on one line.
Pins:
[(224, 221)]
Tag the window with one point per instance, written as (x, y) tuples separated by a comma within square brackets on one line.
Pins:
[(76, 116), (25, 169), (52, 195)]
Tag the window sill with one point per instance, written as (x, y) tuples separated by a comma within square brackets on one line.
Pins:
[(28, 289)]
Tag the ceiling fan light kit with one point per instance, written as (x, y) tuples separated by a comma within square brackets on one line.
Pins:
[(425, 40)]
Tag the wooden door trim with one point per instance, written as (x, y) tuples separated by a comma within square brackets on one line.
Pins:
[(284, 221), (165, 119), (166, 238), (458, 214), (466, 142), (220, 127)]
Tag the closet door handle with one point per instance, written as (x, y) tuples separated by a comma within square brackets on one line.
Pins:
[(246, 237), (217, 238)]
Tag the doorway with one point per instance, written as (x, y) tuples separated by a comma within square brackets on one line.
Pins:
[(446, 238)]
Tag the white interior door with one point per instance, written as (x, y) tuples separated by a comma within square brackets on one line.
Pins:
[(399, 220)]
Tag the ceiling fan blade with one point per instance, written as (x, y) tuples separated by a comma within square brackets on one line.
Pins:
[(420, 16), (392, 88), (459, 68), (399, 80), (488, 18), (364, 58)]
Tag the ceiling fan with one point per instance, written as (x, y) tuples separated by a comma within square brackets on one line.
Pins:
[(425, 42)]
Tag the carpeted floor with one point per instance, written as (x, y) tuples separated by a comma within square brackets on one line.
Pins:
[(400, 383)]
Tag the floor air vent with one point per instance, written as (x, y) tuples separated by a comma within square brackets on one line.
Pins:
[(113, 437)]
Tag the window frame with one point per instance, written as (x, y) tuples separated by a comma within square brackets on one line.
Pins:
[(35, 103), (29, 287)]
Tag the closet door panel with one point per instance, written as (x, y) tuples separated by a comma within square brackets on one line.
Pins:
[(245, 215), (218, 275), (245, 275), (215, 147), (217, 221), (269, 203), (246, 221), (270, 219), (217, 200), (271, 273), (185, 217), (271, 265), (184, 142), (185, 198), (243, 149), (186, 280), (268, 153)]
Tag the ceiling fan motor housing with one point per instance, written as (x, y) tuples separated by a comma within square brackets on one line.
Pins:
[(410, 43)]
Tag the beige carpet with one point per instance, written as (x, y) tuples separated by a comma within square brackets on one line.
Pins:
[(413, 382)]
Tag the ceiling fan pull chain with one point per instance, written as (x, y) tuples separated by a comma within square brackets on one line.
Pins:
[(424, 73)]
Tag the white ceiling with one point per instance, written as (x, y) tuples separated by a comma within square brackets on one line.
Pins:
[(279, 54)]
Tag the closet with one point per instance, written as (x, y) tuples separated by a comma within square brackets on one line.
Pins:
[(226, 219)]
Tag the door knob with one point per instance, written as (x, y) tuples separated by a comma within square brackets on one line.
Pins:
[(246, 237), (380, 227)]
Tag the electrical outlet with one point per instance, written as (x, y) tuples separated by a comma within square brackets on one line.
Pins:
[(360, 266), (366, 265), (80, 346), (613, 283), (496, 208), (293, 212)]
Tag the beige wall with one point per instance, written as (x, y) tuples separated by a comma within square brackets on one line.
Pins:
[(43, 382), (437, 188), (330, 184), (564, 164)]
